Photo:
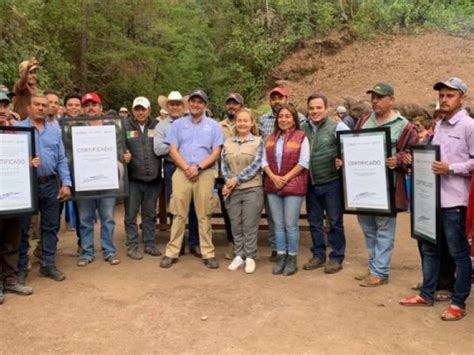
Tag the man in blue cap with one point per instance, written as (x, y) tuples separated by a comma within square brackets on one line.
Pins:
[(195, 144)]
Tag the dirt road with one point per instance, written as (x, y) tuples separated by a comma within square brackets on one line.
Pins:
[(136, 307)]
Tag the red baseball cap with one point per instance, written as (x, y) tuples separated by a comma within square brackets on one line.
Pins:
[(279, 90), (91, 96)]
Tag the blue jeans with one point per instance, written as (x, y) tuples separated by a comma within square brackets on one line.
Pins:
[(144, 195), (453, 226), (87, 213), (48, 204), (271, 225), (320, 198), (286, 212), (193, 226), (379, 235)]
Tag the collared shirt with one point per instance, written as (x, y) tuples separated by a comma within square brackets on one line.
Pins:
[(266, 124), (195, 141), (50, 148), (161, 130), (251, 170), (227, 127), (304, 154), (456, 140)]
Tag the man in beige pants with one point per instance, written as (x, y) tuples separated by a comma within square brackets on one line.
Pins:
[(195, 144)]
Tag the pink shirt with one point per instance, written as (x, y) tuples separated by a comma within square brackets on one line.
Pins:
[(456, 140)]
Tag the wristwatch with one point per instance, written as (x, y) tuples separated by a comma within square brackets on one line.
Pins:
[(199, 168), (450, 170)]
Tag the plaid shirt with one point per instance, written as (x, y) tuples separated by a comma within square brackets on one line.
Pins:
[(250, 171), (267, 121)]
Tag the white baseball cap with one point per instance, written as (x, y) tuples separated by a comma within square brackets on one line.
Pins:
[(141, 101)]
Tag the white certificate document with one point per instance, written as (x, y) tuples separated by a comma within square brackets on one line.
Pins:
[(424, 194), (365, 171), (95, 158), (15, 183)]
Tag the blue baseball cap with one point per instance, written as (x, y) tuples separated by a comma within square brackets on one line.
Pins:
[(452, 83)]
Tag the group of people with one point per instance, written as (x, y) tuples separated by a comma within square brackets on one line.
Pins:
[(276, 162)]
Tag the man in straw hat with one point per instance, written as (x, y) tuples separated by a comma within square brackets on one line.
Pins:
[(25, 86), (175, 104)]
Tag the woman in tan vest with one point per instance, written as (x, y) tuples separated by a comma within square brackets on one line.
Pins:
[(241, 168)]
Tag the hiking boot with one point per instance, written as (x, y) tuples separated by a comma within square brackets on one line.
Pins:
[(51, 272), (373, 281), (280, 264), (290, 266), (135, 254), (22, 275), (167, 262), (314, 263), (18, 289), (153, 251), (236, 263), (230, 252), (273, 257), (211, 263), (332, 267), (362, 276), (249, 265)]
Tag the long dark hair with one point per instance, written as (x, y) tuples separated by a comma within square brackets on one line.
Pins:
[(294, 113)]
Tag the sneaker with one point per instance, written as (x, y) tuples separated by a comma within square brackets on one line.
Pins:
[(112, 259), (135, 254), (211, 263), (249, 266), (18, 289), (153, 251), (167, 262), (52, 272), (230, 252), (83, 262), (236, 263), (332, 267), (314, 263)]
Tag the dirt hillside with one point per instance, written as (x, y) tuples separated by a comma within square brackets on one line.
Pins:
[(341, 67)]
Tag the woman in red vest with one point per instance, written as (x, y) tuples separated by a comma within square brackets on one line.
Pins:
[(285, 163)]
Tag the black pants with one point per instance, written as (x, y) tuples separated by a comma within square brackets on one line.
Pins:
[(10, 237)]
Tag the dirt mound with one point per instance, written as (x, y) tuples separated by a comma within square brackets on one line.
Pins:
[(343, 69)]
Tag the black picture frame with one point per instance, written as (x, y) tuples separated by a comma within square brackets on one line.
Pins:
[(67, 124), (423, 194), (33, 183), (389, 174)]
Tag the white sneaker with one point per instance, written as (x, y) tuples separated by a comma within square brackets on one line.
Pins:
[(235, 264), (249, 265)]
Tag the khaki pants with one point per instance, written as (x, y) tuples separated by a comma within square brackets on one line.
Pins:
[(201, 192)]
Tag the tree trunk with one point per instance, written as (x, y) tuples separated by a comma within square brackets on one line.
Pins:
[(83, 55)]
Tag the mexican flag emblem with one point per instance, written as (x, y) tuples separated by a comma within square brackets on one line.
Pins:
[(132, 134)]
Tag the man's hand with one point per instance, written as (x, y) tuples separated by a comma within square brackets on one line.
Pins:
[(36, 161), (338, 163), (440, 167), (192, 173), (127, 156), (231, 183), (391, 162), (64, 193)]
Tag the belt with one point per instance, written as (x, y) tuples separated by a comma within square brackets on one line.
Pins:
[(45, 179)]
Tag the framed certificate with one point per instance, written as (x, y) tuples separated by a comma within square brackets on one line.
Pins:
[(95, 147), (425, 193), (18, 184), (367, 183)]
